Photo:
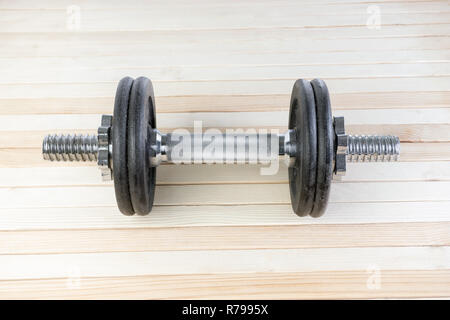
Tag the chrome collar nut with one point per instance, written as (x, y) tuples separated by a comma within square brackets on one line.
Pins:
[(104, 148), (341, 141)]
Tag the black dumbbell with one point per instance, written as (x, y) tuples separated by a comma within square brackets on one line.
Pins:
[(129, 147)]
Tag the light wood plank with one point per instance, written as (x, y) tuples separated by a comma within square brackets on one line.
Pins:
[(249, 34), (226, 73), (229, 194), (406, 132), (393, 6), (243, 87), (224, 18), (225, 238), (326, 47), (171, 59), (116, 4), (425, 151), (227, 103), (182, 216), (206, 17), (221, 120), (298, 285), (223, 261)]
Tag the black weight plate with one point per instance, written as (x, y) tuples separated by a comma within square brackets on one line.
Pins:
[(119, 142), (325, 147), (302, 175), (141, 119)]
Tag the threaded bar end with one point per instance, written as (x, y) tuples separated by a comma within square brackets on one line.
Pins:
[(363, 148), (70, 147)]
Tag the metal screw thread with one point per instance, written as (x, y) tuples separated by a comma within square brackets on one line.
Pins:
[(70, 147), (363, 148)]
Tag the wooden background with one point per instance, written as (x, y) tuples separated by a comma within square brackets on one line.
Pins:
[(225, 231)]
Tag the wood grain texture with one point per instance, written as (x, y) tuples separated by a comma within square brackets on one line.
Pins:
[(225, 231), (299, 285), (225, 238)]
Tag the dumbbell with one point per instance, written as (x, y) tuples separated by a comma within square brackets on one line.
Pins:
[(129, 147)]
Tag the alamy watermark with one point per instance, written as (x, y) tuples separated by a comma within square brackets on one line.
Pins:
[(73, 280), (374, 279), (73, 19), (234, 146), (374, 20)]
